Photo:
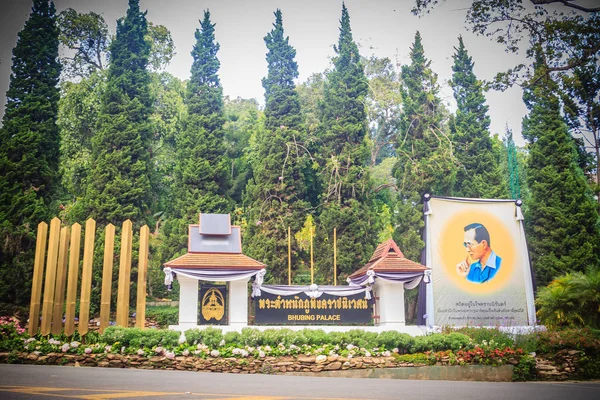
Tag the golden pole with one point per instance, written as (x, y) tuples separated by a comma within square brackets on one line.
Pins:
[(50, 283), (334, 257), (72, 279), (38, 276), (312, 274), (289, 256), (107, 272), (124, 278), (86, 276), (140, 309), (61, 281)]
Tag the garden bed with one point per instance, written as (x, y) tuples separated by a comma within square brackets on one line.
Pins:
[(569, 354)]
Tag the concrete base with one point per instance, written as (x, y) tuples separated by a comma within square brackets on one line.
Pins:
[(412, 330), (484, 373)]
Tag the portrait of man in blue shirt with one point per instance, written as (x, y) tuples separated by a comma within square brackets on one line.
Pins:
[(481, 264)]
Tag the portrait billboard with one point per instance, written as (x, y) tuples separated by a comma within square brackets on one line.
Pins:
[(480, 271)]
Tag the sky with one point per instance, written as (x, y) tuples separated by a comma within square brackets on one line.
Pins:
[(384, 28)]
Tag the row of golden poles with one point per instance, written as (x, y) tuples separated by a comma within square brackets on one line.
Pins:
[(312, 274), (57, 279)]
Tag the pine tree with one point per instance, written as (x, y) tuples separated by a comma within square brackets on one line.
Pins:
[(29, 149), (426, 163), (202, 176), (345, 155), (119, 182), (479, 175), (278, 190), (562, 221)]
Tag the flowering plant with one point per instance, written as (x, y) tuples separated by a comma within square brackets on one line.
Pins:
[(11, 333)]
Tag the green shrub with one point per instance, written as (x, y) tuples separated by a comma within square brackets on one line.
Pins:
[(394, 339), (439, 342), (315, 336), (250, 337), (589, 367), (11, 334), (525, 369), (585, 339), (479, 335), (526, 341), (211, 337), (136, 337), (571, 301), (164, 315), (419, 358), (233, 338)]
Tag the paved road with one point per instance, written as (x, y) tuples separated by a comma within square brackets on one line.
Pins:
[(40, 382)]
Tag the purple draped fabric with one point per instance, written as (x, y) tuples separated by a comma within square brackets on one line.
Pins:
[(216, 275)]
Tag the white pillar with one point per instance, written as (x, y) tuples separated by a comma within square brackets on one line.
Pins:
[(390, 304), (188, 302), (238, 303)]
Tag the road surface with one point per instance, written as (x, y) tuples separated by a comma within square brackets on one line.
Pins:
[(56, 382)]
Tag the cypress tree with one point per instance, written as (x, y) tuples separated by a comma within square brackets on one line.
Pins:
[(278, 191), (119, 183), (562, 221), (479, 174), (345, 178), (426, 163), (201, 176), (29, 149)]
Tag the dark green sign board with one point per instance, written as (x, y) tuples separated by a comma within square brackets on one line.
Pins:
[(300, 309), (212, 305)]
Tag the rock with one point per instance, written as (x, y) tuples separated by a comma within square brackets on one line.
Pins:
[(321, 359), (307, 359), (283, 364), (317, 368), (334, 366)]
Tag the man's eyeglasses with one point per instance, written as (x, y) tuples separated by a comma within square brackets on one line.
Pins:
[(469, 245)]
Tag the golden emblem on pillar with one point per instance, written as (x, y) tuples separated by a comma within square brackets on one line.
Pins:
[(213, 305)]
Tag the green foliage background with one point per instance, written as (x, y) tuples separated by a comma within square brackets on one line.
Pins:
[(353, 148)]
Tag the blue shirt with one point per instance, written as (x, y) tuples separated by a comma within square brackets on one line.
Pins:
[(479, 275)]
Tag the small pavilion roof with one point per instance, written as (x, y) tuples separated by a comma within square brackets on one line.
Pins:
[(388, 258), (215, 261)]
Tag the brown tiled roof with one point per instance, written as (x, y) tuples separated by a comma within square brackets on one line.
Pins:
[(215, 260), (388, 258)]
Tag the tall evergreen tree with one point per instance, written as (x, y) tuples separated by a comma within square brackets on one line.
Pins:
[(345, 154), (426, 163), (119, 182), (278, 190), (479, 175), (201, 176), (29, 149), (562, 221)]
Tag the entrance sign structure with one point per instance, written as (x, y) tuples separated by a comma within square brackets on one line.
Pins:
[(214, 255), (480, 269)]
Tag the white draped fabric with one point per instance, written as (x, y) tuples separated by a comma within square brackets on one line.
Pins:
[(313, 291), (217, 275)]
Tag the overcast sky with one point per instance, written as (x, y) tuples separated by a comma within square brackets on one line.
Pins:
[(384, 28)]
